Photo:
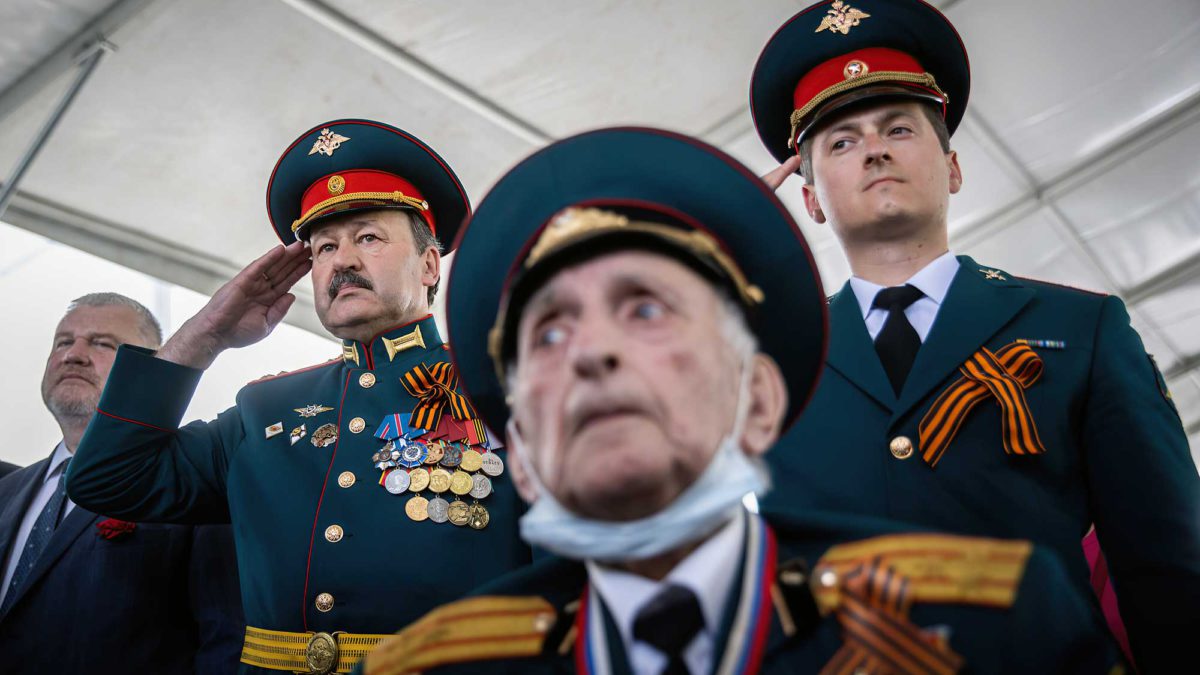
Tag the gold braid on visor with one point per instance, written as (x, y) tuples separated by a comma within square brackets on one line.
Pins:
[(324, 207), (573, 225), (882, 77)]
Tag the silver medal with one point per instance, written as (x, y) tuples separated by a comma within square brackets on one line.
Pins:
[(439, 510), (396, 482), (481, 486), (492, 464)]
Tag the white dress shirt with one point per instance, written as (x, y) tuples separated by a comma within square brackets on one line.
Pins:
[(42, 495), (709, 572), (933, 280)]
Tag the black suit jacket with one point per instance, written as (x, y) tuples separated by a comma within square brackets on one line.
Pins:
[(158, 599), (6, 468)]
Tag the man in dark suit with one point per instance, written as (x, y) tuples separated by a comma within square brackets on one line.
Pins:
[(655, 321), (956, 395), (83, 593), (6, 468)]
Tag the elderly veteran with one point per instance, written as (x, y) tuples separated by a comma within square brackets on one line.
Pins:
[(660, 322), (956, 395), (348, 482)]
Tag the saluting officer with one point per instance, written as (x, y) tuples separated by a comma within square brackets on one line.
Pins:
[(654, 319), (363, 491), (956, 395)]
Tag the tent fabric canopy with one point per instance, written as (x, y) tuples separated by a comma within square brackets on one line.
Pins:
[(1080, 148)]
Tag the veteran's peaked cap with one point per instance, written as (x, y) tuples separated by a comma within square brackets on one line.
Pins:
[(644, 168)]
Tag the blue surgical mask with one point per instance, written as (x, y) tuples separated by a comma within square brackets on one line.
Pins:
[(701, 509)]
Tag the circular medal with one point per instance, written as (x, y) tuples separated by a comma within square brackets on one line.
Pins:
[(459, 513), (439, 480), (478, 517), (413, 454), (439, 510), (471, 460), (452, 456), (396, 481), (492, 464), (418, 479), (481, 486), (460, 483), (436, 450), (417, 508)]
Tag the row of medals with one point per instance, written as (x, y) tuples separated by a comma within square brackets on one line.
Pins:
[(417, 466)]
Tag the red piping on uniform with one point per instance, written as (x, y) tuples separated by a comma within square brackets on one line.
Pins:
[(115, 417), (312, 538)]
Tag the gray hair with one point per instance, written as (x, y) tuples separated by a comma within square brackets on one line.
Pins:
[(149, 325), (424, 239)]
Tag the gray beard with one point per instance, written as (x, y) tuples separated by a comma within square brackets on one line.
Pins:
[(69, 409)]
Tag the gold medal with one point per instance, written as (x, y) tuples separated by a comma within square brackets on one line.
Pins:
[(439, 480), (478, 516), (459, 513), (418, 479), (436, 450), (417, 508), (471, 460), (460, 483)]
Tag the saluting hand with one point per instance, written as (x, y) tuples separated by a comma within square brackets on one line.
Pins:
[(776, 177), (244, 310)]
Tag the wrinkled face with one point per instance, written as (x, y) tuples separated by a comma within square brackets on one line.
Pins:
[(85, 345), (624, 385), (880, 172), (366, 273)]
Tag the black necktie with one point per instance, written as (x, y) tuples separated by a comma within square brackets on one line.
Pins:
[(898, 342), (668, 623)]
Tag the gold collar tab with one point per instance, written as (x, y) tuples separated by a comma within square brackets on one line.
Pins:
[(350, 354), (396, 345)]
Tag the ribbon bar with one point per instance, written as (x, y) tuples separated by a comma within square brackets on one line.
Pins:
[(1004, 375)]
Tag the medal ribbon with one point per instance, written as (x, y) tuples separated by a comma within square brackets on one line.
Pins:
[(1004, 375), (435, 389), (747, 636), (879, 637)]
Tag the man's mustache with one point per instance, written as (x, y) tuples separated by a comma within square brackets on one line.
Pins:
[(349, 278)]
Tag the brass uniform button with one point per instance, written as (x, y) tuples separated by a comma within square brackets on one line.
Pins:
[(333, 534), (901, 447), (346, 479), (357, 425), (324, 602), (366, 380), (828, 578)]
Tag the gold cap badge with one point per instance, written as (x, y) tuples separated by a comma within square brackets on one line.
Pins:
[(840, 18), (327, 142), (336, 184)]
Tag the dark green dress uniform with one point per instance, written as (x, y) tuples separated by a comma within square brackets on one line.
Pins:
[(1032, 410), (1113, 450), (818, 604), (815, 591), (323, 546)]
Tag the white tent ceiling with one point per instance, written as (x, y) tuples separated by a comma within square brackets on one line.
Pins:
[(1080, 148)]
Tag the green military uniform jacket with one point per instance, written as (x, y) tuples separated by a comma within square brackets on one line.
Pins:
[(1115, 453), (963, 605), (321, 545)]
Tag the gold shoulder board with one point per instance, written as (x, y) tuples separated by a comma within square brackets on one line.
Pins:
[(476, 629), (938, 568)]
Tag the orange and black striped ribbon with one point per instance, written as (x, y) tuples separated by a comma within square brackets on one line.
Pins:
[(879, 637), (1004, 376), (435, 388)]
